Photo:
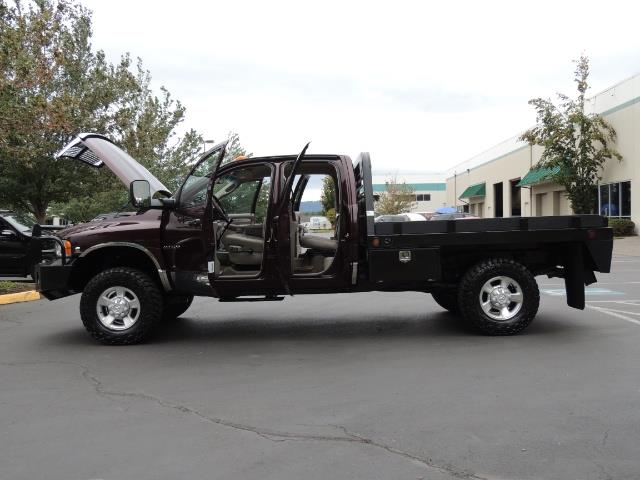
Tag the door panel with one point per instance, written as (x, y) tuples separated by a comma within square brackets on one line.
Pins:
[(319, 269), (240, 230)]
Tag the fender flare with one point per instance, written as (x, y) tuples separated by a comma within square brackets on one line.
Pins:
[(164, 278)]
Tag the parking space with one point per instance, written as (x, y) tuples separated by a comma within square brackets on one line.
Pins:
[(616, 296), (371, 386)]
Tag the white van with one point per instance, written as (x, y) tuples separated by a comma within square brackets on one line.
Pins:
[(319, 223)]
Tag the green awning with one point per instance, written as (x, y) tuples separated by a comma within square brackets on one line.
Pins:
[(478, 190), (537, 175)]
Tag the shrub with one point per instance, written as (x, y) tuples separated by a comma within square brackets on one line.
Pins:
[(331, 216), (622, 226)]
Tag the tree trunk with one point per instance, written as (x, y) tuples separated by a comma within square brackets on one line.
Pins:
[(41, 217), (40, 212)]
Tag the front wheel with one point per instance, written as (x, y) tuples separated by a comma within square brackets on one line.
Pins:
[(499, 296), (120, 306)]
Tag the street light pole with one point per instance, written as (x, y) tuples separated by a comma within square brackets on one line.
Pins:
[(204, 144)]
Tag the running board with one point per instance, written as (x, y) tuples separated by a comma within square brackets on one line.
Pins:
[(252, 299)]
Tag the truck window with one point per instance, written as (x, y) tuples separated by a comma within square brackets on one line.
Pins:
[(245, 191), (314, 227), (244, 194), (194, 190)]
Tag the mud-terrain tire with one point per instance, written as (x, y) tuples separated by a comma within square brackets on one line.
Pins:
[(499, 297), (139, 292), (175, 305), (447, 299)]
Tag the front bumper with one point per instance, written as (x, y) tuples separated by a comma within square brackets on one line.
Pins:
[(52, 280)]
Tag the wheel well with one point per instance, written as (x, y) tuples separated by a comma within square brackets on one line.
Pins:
[(537, 260), (85, 268)]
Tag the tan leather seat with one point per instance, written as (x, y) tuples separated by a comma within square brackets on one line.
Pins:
[(319, 243), (243, 249)]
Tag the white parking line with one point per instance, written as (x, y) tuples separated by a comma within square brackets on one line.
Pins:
[(614, 313), (599, 283), (626, 301), (624, 312)]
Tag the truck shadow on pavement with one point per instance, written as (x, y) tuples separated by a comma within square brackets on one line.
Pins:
[(438, 326), (434, 327)]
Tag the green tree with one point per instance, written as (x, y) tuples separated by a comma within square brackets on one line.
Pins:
[(397, 198), (52, 86), (576, 143), (328, 195)]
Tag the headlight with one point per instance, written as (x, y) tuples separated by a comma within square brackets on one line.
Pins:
[(67, 249)]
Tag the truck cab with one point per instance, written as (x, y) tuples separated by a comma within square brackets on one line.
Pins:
[(237, 233)]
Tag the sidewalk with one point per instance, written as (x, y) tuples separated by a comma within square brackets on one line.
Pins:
[(627, 246)]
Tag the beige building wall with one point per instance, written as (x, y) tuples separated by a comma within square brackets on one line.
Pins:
[(548, 199), (620, 105), (438, 200)]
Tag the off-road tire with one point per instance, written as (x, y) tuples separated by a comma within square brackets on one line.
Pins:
[(175, 305), (447, 299), (469, 296), (148, 293)]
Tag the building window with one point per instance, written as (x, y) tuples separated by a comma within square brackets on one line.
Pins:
[(614, 199), (423, 197), (516, 210)]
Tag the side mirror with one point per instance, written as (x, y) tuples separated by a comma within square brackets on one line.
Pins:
[(8, 234), (140, 194)]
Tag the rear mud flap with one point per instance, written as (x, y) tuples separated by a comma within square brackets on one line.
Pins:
[(576, 276)]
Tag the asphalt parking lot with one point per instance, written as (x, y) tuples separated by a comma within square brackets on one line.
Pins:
[(362, 386)]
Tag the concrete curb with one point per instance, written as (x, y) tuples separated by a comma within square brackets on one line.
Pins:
[(19, 297)]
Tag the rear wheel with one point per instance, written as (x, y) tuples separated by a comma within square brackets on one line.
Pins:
[(447, 299), (499, 297), (176, 305), (120, 306)]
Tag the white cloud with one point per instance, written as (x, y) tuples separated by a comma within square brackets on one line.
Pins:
[(421, 85)]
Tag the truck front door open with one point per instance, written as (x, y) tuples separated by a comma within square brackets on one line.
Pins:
[(184, 244)]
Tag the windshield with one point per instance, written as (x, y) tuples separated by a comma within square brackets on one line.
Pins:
[(21, 222)]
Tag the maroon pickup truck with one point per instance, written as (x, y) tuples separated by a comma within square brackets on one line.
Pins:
[(232, 231)]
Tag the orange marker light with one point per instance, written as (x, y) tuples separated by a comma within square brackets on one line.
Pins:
[(67, 248), (375, 242)]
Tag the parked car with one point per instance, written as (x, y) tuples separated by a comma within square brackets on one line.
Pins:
[(133, 274), (402, 217), (16, 257), (453, 216)]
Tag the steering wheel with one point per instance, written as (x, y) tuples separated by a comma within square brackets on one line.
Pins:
[(218, 207)]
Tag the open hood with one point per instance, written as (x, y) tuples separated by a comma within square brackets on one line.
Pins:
[(97, 150)]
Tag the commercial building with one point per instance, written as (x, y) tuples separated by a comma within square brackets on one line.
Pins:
[(504, 181), (429, 196)]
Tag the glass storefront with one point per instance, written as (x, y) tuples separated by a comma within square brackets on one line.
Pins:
[(614, 199)]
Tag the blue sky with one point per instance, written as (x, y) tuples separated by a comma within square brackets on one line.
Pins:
[(420, 85)]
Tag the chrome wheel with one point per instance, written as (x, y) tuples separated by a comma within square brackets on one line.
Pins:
[(118, 308), (501, 298)]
